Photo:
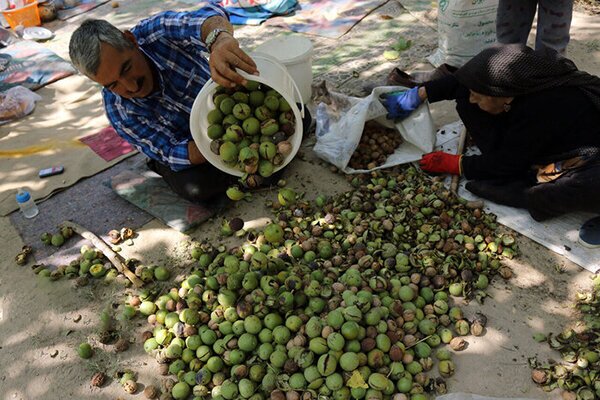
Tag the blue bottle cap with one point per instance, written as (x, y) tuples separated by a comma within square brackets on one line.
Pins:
[(23, 196)]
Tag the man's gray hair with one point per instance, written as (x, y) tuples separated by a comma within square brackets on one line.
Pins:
[(84, 47)]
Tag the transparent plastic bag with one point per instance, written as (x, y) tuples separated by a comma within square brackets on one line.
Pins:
[(341, 120), (16, 102)]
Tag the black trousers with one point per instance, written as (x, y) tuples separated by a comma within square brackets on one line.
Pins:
[(576, 190), (203, 182), (197, 184)]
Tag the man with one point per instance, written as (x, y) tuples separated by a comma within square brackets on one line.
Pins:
[(515, 18), (151, 75)]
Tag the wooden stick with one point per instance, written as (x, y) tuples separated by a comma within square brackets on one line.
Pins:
[(473, 204), (461, 147), (101, 245)]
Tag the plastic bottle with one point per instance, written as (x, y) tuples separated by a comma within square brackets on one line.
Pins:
[(26, 204)]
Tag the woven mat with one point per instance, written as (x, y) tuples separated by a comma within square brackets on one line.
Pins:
[(91, 203), (70, 109), (329, 18), (31, 65)]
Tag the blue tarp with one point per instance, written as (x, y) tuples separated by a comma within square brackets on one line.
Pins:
[(255, 15)]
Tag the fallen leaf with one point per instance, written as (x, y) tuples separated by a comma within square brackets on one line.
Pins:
[(357, 381), (386, 17), (391, 55)]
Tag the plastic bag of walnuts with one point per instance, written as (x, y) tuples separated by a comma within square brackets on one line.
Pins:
[(376, 144)]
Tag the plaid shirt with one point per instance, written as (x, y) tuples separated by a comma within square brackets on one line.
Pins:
[(158, 125)]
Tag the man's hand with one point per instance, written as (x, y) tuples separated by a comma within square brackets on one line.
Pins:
[(401, 104), (225, 57), (194, 154), (441, 163)]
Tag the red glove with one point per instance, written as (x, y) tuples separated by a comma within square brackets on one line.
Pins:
[(441, 163)]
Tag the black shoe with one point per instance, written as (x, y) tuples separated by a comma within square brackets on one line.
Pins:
[(589, 233)]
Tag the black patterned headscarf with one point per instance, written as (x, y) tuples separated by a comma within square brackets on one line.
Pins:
[(514, 69)]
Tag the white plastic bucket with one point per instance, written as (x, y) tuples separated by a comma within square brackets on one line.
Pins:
[(295, 52), (273, 74)]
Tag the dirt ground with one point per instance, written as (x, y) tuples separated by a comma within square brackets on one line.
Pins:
[(42, 322)]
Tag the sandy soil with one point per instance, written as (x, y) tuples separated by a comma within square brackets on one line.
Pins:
[(42, 322)]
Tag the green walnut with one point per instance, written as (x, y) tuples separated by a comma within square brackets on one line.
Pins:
[(349, 361), (286, 197), (230, 120), (240, 97), (218, 99), (251, 126), (97, 270), (247, 342), (267, 150), (327, 364), (286, 117), (456, 289), (273, 233), (242, 111), (272, 103), (269, 127), (228, 152), (256, 98), (336, 341), (378, 381), (215, 116), (263, 113), (57, 240), (265, 168), (181, 391), (284, 106), (248, 155), (226, 106), (161, 273), (234, 133), (215, 131), (85, 351), (46, 238)]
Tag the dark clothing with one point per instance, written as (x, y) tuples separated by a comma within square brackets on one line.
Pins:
[(576, 190), (196, 184), (515, 17), (538, 126), (517, 70)]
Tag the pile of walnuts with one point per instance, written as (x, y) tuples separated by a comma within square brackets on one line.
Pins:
[(376, 144)]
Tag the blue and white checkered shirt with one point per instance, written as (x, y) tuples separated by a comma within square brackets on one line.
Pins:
[(158, 125)]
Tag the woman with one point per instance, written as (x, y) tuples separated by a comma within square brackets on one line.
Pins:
[(536, 120)]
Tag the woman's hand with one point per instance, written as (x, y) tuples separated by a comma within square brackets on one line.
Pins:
[(441, 163), (225, 57), (401, 104)]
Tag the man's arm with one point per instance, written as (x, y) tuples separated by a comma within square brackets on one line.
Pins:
[(195, 27), (226, 55), (194, 154)]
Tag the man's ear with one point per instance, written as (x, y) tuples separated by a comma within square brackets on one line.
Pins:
[(130, 37)]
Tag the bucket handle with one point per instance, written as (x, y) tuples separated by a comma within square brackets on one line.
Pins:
[(285, 71)]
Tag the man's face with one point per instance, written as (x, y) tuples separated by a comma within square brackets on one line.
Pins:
[(126, 73)]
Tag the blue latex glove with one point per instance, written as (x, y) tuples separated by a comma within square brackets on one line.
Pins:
[(401, 104)]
